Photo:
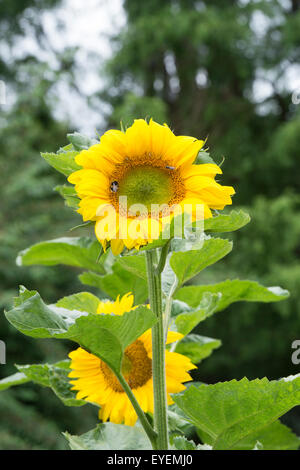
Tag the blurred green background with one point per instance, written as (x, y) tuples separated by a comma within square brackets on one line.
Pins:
[(222, 69)]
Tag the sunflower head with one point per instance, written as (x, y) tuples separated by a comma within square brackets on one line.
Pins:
[(95, 381), (152, 170)]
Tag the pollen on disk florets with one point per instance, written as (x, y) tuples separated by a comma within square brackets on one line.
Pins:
[(136, 368), (146, 180)]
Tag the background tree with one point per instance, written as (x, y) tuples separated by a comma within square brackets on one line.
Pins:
[(31, 211)]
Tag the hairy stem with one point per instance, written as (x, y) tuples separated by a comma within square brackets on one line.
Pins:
[(158, 352)]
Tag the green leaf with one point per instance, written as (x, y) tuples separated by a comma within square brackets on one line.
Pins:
[(276, 436), (34, 318), (64, 161), (232, 411), (110, 436), (169, 280), (159, 243), (60, 384), (54, 376), (197, 347), (189, 264), (230, 292), (24, 294), (69, 194), (80, 141), (91, 279), (177, 422), (119, 282), (12, 380), (227, 222), (105, 336), (38, 373), (135, 264), (189, 318), (80, 252), (83, 301), (204, 157), (181, 443)]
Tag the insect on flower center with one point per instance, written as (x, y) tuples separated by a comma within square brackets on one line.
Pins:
[(136, 368)]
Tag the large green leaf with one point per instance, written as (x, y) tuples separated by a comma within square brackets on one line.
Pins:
[(80, 252), (189, 264), (54, 376), (227, 222), (34, 318), (276, 436), (83, 301), (230, 292), (232, 411), (135, 264), (110, 436), (63, 161), (12, 380), (197, 347), (185, 321), (119, 282), (105, 336)]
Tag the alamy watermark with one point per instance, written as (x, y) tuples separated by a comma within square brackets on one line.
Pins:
[(296, 354), (2, 92), (296, 96), (141, 222), (2, 352)]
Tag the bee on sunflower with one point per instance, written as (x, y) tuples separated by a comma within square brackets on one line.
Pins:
[(95, 381), (148, 166)]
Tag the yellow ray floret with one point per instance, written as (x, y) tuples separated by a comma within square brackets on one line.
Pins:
[(148, 165), (95, 382)]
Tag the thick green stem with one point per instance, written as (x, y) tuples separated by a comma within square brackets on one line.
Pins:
[(158, 353), (163, 257), (142, 417)]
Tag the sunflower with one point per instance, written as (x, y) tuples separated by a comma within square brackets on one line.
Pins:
[(95, 381), (146, 165)]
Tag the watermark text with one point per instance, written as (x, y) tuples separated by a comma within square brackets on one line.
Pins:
[(296, 354), (2, 92), (2, 352)]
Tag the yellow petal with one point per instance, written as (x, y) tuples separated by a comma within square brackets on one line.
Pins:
[(138, 139), (205, 169), (183, 151), (161, 138), (116, 140), (117, 246), (173, 336)]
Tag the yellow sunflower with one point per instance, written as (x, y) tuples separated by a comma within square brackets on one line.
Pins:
[(148, 165), (95, 382)]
